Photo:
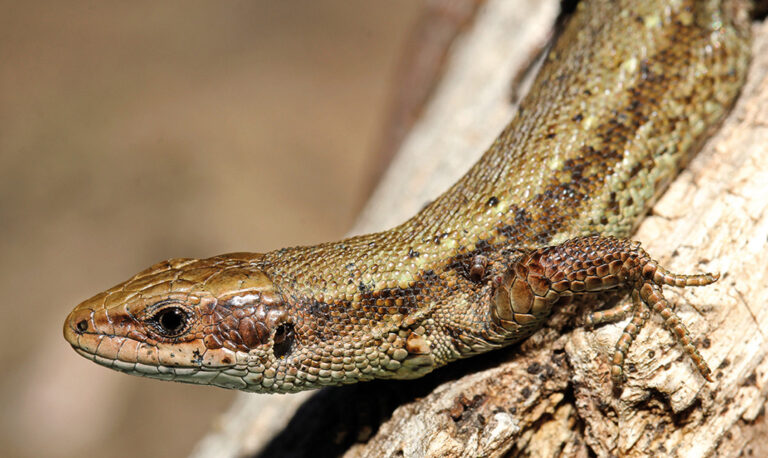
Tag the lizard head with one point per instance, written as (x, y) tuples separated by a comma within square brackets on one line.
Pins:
[(216, 321)]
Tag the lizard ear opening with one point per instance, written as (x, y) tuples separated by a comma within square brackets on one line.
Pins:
[(284, 337)]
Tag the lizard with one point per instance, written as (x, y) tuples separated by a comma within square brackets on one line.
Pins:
[(625, 97)]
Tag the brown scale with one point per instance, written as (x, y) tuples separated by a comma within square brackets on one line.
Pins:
[(620, 104), (532, 285), (243, 325)]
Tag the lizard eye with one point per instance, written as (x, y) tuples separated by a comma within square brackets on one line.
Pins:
[(171, 321)]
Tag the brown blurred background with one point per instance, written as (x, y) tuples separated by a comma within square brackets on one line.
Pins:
[(131, 132)]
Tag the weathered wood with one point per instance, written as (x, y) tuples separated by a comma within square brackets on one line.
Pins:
[(714, 217), (552, 395)]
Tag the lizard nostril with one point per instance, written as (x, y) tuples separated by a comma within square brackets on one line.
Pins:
[(82, 326)]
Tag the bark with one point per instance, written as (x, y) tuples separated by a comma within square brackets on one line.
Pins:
[(420, 68), (552, 394)]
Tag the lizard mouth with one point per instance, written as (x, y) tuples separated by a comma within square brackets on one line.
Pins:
[(136, 354), (186, 364)]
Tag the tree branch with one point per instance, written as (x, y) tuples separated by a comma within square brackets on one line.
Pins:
[(552, 394)]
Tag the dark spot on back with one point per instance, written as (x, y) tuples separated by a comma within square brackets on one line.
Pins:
[(439, 237)]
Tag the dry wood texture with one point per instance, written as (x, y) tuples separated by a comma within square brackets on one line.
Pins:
[(552, 395)]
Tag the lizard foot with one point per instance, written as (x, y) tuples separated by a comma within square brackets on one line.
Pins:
[(535, 282)]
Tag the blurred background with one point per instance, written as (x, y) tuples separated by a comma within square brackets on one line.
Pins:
[(131, 132)]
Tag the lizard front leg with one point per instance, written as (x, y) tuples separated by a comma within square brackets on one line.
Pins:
[(533, 283)]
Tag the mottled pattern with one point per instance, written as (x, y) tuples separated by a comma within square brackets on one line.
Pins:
[(628, 92), (536, 282)]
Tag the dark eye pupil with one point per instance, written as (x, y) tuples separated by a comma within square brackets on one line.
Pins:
[(172, 320)]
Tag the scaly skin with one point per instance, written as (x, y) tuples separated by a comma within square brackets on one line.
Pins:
[(629, 91)]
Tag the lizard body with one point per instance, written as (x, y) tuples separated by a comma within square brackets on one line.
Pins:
[(624, 98)]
